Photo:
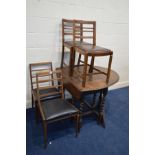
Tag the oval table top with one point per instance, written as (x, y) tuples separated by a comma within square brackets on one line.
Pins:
[(93, 83)]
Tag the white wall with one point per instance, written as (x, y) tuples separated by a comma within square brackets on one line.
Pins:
[(44, 31)]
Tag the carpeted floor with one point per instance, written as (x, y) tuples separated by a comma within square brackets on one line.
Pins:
[(93, 139)]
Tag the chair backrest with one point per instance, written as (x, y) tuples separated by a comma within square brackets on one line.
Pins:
[(84, 30), (67, 30), (34, 68), (45, 84), (51, 86), (78, 30)]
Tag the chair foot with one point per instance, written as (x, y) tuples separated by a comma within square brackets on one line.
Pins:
[(101, 121), (78, 125), (45, 134), (45, 146), (36, 114)]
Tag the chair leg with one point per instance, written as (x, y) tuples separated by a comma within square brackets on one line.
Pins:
[(101, 110), (77, 125), (36, 113), (45, 134), (72, 61), (81, 112), (84, 70), (32, 101), (62, 57), (79, 59), (109, 68), (91, 65)]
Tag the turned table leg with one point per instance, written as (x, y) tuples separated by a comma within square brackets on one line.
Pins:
[(102, 109), (81, 111)]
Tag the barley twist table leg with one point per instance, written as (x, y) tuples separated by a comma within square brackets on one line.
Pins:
[(102, 109)]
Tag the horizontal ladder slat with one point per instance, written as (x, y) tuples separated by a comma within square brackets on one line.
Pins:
[(34, 76), (83, 37), (68, 33), (41, 63), (48, 73), (84, 31), (48, 80), (84, 27), (96, 73), (48, 94), (67, 20), (41, 69), (68, 26), (48, 87)]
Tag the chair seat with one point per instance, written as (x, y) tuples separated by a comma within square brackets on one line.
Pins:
[(77, 43), (47, 91), (56, 108), (94, 50)]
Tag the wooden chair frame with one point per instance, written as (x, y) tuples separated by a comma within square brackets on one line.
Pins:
[(76, 29), (57, 78), (85, 65), (77, 32)]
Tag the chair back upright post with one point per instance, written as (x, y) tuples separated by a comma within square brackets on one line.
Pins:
[(81, 31)]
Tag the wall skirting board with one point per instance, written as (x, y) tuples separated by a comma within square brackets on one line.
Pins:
[(119, 85), (116, 86)]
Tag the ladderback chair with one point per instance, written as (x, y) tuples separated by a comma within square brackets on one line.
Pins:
[(35, 68), (81, 31), (77, 33), (52, 110)]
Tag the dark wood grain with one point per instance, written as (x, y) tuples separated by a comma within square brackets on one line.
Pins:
[(94, 82)]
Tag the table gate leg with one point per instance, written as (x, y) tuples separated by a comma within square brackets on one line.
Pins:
[(81, 112), (94, 100), (101, 109)]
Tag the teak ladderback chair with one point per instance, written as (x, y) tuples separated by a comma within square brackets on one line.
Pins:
[(76, 33), (88, 31), (35, 68), (52, 110), (81, 31)]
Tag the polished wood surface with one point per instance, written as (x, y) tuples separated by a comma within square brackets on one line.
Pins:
[(94, 81)]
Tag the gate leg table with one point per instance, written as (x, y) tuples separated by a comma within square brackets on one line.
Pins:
[(96, 84)]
